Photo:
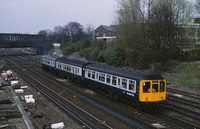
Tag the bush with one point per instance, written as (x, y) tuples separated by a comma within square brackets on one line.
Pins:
[(193, 54)]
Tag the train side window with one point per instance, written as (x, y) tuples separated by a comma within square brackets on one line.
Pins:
[(93, 75), (69, 68), (78, 70), (89, 73), (97, 75), (114, 80), (162, 86), (86, 73), (119, 81), (124, 83), (155, 88), (131, 85), (102, 77), (146, 87), (108, 79)]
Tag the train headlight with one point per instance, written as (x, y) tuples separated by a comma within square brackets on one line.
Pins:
[(162, 97)]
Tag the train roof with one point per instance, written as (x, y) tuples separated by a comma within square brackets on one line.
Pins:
[(127, 73), (50, 57), (72, 61)]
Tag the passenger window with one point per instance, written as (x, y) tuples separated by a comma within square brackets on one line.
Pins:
[(69, 68), (97, 76), (86, 73), (102, 77), (93, 75), (146, 87), (77, 70), (131, 85), (89, 73), (124, 83), (162, 86), (108, 79), (119, 81), (114, 80), (155, 88)]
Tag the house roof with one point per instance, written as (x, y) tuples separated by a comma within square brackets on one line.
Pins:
[(108, 28)]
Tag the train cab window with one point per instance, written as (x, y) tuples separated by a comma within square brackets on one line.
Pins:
[(93, 75), (108, 79), (114, 80), (154, 88), (124, 83), (131, 85), (146, 87), (162, 86)]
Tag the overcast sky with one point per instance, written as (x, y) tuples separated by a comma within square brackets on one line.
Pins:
[(22, 16)]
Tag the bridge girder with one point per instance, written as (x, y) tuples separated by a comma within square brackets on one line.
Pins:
[(22, 40)]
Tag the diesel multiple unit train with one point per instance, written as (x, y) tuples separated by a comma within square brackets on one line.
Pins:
[(140, 86)]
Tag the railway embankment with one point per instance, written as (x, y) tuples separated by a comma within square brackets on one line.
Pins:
[(184, 76)]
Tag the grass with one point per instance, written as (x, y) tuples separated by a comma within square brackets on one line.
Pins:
[(187, 74)]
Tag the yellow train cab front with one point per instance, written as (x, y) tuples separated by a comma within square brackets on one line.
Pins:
[(152, 90)]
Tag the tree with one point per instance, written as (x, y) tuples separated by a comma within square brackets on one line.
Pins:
[(74, 31), (130, 31), (89, 31), (163, 28), (43, 32)]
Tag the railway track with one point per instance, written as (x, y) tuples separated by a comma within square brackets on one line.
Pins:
[(83, 116), (150, 124), (178, 124), (184, 93), (119, 117), (131, 120)]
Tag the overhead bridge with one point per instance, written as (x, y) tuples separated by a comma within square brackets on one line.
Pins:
[(22, 40)]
